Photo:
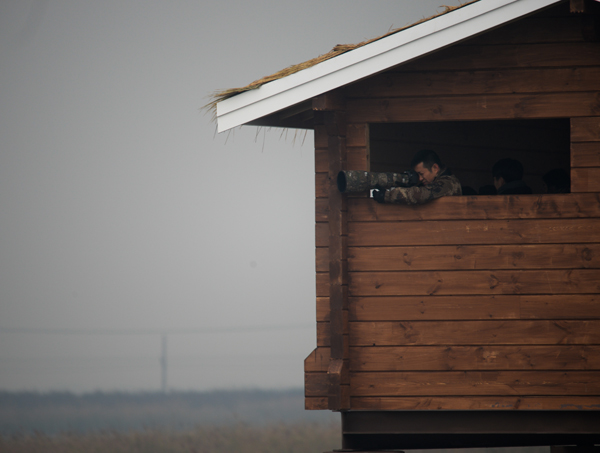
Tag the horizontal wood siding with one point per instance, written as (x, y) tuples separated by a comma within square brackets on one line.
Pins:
[(489, 357), (472, 302), (545, 403), (490, 207), (463, 232), (585, 154), (478, 307), (544, 256), (468, 302), (475, 107), (472, 383)]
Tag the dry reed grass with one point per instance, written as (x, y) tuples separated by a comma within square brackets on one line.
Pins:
[(337, 50)]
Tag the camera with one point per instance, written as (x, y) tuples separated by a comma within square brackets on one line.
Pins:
[(361, 181)]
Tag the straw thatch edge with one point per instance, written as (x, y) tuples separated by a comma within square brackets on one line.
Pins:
[(339, 49)]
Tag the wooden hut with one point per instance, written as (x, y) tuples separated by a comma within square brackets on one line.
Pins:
[(472, 320)]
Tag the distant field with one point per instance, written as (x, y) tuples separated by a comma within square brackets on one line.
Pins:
[(55, 413), (300, 437), (196, 422)]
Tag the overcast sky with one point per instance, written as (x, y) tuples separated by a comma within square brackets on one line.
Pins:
[(123, 215)]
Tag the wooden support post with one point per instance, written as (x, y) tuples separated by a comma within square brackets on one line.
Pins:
[(577, 6), (331, 106), (591, 18), (584, 6)]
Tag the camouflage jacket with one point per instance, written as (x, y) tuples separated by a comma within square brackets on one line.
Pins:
[(444, 184)]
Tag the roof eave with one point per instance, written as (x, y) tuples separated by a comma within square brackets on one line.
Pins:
[(372, 58)]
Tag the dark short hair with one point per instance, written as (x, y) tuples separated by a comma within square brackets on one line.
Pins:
[(428, 157), (508, 169)]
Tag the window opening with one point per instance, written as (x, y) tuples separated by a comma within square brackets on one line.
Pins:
[(470, 148)]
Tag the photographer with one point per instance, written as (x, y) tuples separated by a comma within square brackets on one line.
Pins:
[(435, 181)]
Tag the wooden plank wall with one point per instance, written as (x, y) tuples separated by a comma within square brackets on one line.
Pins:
[(465, 304), (317, 381), (472, 302), (585, 154)]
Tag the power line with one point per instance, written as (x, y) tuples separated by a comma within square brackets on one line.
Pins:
[(185, 331)]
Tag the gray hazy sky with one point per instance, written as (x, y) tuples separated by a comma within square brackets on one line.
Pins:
[(123, 215)]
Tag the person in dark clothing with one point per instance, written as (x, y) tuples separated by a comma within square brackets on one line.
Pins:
[(508, 177), (468, 190), (488, 189), (557, 181)]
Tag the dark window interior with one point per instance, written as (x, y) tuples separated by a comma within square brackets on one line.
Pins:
[(470, 148)]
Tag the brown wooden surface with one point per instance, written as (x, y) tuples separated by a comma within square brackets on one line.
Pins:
[(542, 256), (324, 337), (585, 129), (323, 334), (585, 154), (457, 358), (321, 163), (446, 283), (462, 58), (535, 29), (317, 361), (474, 107), (316, 389), (545, 403), (357, 158), (315, 384), (322, 184), (469, 232), (337, 251), (321, 209), (356, 135), (320, 137), (522, 383), (334, 377), (329, 101), (585, 179), (489, 207), (322, 259), (322, 309), (584, 332), (484, 303), (496, 81), (315, 403), (577, 6), (429, 308), (322, 284), (322, 234)]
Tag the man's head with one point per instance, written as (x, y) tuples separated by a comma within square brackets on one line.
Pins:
[(427, 164), (557, 181), (505, 171)]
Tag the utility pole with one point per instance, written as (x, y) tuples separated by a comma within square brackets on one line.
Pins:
[(163, 364)]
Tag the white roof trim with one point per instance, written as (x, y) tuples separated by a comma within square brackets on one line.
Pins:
[(371, 58)]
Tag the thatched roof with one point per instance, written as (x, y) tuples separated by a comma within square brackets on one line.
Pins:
[(337, 50)]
